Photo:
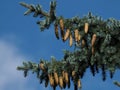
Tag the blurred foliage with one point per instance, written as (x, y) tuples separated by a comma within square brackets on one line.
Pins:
[(96, 43)]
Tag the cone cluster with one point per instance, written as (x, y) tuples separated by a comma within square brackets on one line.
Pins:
[(72, 36), (62, 80)]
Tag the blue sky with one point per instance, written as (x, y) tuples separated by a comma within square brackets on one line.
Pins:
[(21, 40)]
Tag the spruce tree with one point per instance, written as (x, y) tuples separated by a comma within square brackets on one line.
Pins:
[(96, 43)]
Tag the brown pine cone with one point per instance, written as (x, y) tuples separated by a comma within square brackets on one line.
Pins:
[(79, 37), (86, 27), (93, 39), (51, 80), (76, 35), (66, 77), (70, 40), (61, 82), (61, 22), (56, 77), (67, 34)]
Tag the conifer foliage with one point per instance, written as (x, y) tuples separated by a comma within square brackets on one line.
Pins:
[(96, 41)]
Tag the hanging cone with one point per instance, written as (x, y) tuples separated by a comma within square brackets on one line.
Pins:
[(83, 43), (76, 35), (93, 39), (67, 34), (86, 27), (62, 28), (79, 37), (51, 80), (66, 77), (79, 83), (56, 77), (56, 31), (41, 65), (61, 82), (70, 40)]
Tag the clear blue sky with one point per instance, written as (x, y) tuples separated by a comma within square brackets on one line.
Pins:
[(21, 40)]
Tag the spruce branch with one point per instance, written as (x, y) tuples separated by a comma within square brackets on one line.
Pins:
[(49, 16), (72, 62), (96, 43), (37, 10)]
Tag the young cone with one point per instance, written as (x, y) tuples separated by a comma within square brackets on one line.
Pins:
[(56, 31), (93, 39), (86, 27), (76, 35), (66, 77), (70, 40), (61, 82), (67, 34), (79, 83), (56, 77)]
